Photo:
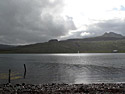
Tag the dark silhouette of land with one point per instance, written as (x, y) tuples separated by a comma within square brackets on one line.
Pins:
[(107, 43)]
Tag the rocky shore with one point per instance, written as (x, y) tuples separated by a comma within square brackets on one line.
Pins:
[(101, 88)]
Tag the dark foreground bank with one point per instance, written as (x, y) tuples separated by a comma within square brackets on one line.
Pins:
[(103, 88)]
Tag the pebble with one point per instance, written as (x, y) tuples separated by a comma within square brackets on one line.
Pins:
[(54, 88)]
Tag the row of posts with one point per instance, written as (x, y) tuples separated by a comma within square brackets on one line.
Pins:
[(9, 77)]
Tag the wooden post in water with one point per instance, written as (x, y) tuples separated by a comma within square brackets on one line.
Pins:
[(9, 79), (24, 71)]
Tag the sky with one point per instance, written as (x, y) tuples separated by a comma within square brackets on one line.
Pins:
[(35, 21)]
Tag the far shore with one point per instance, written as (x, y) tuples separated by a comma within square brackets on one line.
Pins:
[(65, 53)]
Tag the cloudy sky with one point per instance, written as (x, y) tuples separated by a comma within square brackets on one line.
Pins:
[(31, 21)]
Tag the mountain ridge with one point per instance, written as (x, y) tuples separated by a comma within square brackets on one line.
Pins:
[(112, 34), (105, 36), (5, 46), (100, 44)]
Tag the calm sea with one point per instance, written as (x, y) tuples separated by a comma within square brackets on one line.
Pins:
[(63, 68)]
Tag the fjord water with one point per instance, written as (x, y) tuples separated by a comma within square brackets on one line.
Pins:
[(63, 68)]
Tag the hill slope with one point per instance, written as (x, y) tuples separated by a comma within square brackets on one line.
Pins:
[(4, 47), (101, 44)]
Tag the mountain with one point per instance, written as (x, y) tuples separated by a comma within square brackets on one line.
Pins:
[(101, 44), (112, 34), (4, 47), (104, 37)]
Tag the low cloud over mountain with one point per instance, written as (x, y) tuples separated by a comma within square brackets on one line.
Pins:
[(26, 21)]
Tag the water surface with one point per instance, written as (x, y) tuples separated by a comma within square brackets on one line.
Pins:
[(63, 68)]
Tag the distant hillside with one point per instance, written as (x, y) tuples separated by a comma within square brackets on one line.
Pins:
[(104, 37), (102, 44), (4, 47), (113, 35)]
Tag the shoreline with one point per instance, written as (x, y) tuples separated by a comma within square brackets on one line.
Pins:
[(60, 53), (55, 88)]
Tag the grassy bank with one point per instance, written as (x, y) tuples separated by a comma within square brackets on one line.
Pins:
[(71, 47)]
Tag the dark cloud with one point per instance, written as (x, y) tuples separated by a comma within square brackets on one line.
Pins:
[(31, 21), (26, 21)]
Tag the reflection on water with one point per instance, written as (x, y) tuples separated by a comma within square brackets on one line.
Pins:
[(63, 68), (13, 76)]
